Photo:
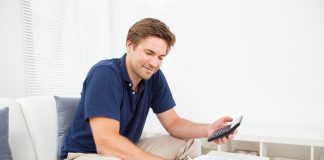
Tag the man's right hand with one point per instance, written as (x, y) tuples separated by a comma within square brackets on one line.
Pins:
[(110, 143)]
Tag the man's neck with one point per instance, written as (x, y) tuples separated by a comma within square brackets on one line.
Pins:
[(135, 80)]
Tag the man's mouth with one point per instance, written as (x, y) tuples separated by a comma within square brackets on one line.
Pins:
[(149, 69)]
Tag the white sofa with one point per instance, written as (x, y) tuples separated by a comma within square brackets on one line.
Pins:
[(33, 127)]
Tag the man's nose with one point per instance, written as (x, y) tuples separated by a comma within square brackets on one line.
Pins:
[(155, 62)]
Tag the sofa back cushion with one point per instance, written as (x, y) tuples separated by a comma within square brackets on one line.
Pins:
[(66, 107), (5, 153), (19, 138), (41, 118)]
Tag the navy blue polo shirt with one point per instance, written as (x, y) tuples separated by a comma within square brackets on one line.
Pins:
[(107, 92)]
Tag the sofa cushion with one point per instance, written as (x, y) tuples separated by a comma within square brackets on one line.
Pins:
[(41, 118), (20, 142), (65, 107), (5, 153)]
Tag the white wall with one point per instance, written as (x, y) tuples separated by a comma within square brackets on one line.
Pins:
[(12, 81), (260, 59)]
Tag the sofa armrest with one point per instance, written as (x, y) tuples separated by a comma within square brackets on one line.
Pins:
[(19, 138)]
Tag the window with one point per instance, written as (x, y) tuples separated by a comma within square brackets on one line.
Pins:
[(60, 44)]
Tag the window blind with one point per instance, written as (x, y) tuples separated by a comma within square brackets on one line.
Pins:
[(57, 52)]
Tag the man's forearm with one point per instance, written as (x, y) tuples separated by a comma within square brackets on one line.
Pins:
[(121, 147), (185, 129)]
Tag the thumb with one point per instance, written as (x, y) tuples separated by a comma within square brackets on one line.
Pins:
[(222, 122)]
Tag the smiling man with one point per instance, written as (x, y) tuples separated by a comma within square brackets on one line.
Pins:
[(116, 97)]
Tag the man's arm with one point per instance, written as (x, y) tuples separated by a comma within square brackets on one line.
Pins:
[(110, 143), (185, 129)]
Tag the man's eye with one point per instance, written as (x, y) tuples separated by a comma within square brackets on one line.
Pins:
[(149, 53)]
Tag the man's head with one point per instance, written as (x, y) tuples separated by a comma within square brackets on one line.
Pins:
[(150, 27), (148, 42)]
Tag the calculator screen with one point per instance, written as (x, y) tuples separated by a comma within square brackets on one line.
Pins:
[(236, 121)]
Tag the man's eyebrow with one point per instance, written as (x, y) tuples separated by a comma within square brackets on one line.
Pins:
[(154, 52), (149, 50)]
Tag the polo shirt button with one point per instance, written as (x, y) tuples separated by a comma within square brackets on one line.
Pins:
[(129, 84), (133, 92)]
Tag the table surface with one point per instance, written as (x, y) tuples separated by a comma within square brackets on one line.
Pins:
[(229, 156)]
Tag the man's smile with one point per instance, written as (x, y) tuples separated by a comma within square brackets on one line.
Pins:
[(149, 69)]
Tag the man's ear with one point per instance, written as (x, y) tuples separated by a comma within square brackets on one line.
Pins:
[(129, 45)]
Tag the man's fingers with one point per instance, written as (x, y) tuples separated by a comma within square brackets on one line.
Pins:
[(224, 139), (227, 119), (231, 136)]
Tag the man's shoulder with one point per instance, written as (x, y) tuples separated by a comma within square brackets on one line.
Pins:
[(108, 64), (105, 69)]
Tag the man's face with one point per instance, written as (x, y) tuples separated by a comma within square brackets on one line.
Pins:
[(146, 58)]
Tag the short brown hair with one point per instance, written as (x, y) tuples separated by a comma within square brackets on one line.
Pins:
[(150, 27)]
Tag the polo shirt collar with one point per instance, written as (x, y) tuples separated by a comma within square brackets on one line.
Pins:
[(123, 69), (124, 72)]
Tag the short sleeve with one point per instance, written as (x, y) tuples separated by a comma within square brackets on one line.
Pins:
[(162, 96), (103, 93)]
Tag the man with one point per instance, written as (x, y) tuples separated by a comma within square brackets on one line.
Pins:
[(116, 97)]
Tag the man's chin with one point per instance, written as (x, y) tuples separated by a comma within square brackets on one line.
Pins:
[(146, 77)]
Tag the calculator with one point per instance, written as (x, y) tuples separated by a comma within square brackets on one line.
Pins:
[(225, 130)]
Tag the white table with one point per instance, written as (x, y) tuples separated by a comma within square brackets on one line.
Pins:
[(216, 155)]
